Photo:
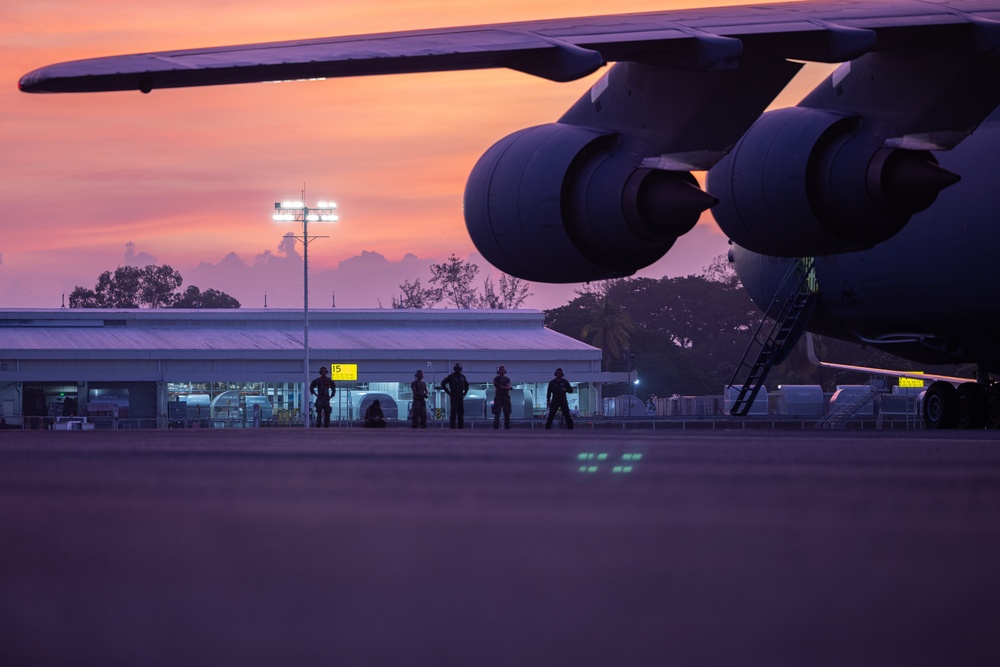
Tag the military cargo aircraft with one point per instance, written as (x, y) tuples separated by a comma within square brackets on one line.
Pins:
[(878, 190)]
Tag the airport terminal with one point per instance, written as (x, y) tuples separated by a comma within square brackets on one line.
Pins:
[(159, 368)]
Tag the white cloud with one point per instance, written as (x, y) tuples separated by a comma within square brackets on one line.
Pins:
[(370, 279), (367, 280), (133, 258)]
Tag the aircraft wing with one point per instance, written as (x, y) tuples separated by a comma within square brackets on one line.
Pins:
[(560, 50), (885, 372)]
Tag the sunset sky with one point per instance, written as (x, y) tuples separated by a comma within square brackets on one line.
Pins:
[(189, 177)]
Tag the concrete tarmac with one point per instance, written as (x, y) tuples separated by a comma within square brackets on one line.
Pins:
[(438, 547)]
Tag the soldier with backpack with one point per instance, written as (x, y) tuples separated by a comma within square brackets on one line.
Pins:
[(323, 388), (501, 400), (418, 413), (555, 397), (456, 386)]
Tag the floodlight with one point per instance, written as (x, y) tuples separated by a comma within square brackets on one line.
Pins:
[(297, 211)]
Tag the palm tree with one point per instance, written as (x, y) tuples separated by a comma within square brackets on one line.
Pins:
[(610, 330)]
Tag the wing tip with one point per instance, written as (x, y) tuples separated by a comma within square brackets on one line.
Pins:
[(28, 83)]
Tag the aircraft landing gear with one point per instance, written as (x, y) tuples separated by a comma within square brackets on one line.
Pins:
[(941, 406), (971, 405), (993, 406)]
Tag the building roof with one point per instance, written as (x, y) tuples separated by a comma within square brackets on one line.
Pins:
[(266, 344), (388, 331)]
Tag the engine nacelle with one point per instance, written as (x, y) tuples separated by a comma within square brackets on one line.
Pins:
[(805, 182), (561, 203)]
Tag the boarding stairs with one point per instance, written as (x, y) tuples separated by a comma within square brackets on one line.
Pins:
[(843, 413), (789, 311)]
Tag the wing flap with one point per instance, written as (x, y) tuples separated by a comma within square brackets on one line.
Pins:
[(358, 56), (559, 49)]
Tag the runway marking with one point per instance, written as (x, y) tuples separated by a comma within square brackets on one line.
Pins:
[(626, 467)]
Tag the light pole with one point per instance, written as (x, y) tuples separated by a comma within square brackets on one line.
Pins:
[(296, 211), (628, 366)]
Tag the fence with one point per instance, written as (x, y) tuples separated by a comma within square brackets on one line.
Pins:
[(650, 424)]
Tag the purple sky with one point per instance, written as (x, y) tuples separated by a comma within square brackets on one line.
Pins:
[(189, 177)]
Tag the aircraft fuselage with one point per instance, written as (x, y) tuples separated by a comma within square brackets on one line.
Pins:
[(929, 293)]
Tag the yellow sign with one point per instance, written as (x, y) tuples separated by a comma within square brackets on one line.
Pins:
[(343, 371), (910, 382)]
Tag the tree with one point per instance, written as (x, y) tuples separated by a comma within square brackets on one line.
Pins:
[(191, 298), (415, 296), (688, 333), (721, 270), (81, 297), (128, 287), (150, 286), (210, 298), (455, 280), (574, 316), (609, 329), (513, 293), (157, 285)]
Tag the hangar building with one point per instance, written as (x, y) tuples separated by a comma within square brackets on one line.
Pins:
[(172, 367)]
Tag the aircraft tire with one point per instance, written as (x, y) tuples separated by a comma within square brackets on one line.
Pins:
[(941, 406), (993, 406), (971, 405)]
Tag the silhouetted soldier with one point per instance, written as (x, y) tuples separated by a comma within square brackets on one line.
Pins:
[(374, 418), (555, 397), (418, 413), (501, 400), (323, 388), (456, 386)]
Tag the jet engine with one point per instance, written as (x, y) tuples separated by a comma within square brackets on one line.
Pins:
[(563, 203), (805, 182)]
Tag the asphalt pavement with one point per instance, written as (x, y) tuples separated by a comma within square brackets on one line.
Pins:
[(475, 547)]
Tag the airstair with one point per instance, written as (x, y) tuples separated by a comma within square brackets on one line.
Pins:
[(843, 413), (789, 312)]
